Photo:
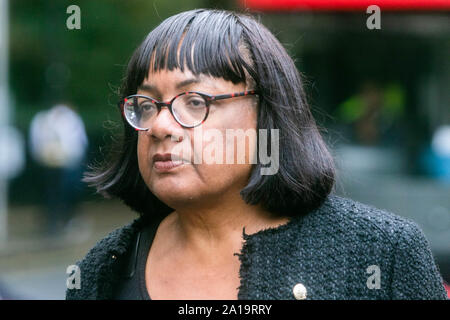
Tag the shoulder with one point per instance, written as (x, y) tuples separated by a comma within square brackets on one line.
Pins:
[(344, 219), (396, 244), (98, 267), (368, 225), (117, 241), (363, 220)]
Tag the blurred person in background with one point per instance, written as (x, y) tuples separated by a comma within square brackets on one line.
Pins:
[(58, 143), (436, 156)]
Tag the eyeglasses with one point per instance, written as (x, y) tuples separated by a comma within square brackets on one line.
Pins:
[(189, 109)]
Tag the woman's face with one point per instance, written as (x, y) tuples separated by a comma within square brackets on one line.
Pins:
[(201, 178)]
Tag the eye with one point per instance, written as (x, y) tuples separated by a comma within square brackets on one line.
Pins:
[(147, 106), (196, 102)]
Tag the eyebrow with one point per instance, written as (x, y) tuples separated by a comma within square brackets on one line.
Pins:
[(179, 85)]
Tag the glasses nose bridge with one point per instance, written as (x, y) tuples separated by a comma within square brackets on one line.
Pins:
[(167, 104), (163, 104)]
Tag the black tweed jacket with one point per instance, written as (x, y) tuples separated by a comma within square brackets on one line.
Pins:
[(338, 251)]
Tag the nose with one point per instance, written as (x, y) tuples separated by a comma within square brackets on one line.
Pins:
[(165, 125)]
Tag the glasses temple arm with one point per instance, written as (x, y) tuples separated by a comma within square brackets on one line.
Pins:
[(232, 95)]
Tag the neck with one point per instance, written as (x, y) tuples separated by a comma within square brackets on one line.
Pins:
[(212, 231)]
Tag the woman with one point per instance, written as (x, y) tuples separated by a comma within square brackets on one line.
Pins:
[(237, 229)]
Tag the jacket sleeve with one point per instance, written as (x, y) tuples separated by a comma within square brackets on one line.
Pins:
[(415, 273), (86, 281), (72, 293), (99, 270), (90, 269)]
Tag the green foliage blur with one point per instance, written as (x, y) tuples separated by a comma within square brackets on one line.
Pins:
[(50, 64)]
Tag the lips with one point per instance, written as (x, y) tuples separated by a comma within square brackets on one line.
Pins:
[(167, 161), (165, 157)]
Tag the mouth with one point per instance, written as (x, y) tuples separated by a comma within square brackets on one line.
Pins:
[(166, 162)]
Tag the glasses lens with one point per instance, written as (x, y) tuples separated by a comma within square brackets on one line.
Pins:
[(140, 112), (190, 109)]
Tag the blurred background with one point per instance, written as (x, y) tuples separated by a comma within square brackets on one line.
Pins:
[(381, 97)]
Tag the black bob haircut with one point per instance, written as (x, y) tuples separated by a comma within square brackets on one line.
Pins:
[(235, 47)]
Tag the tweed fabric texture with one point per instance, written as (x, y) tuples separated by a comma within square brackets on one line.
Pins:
[(328, 250)]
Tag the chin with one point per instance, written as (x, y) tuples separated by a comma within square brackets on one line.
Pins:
[(174, 193), (178, 201)]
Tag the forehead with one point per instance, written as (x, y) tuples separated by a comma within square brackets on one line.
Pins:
[(175, 75), (175, 80)]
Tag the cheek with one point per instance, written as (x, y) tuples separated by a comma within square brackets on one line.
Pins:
[(241, 138), (228, 149), (143, 150)]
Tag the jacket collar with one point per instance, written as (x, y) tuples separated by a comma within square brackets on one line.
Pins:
[(108, 259)]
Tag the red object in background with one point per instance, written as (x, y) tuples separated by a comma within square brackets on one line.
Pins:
[(447, 287), (344, 5)]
